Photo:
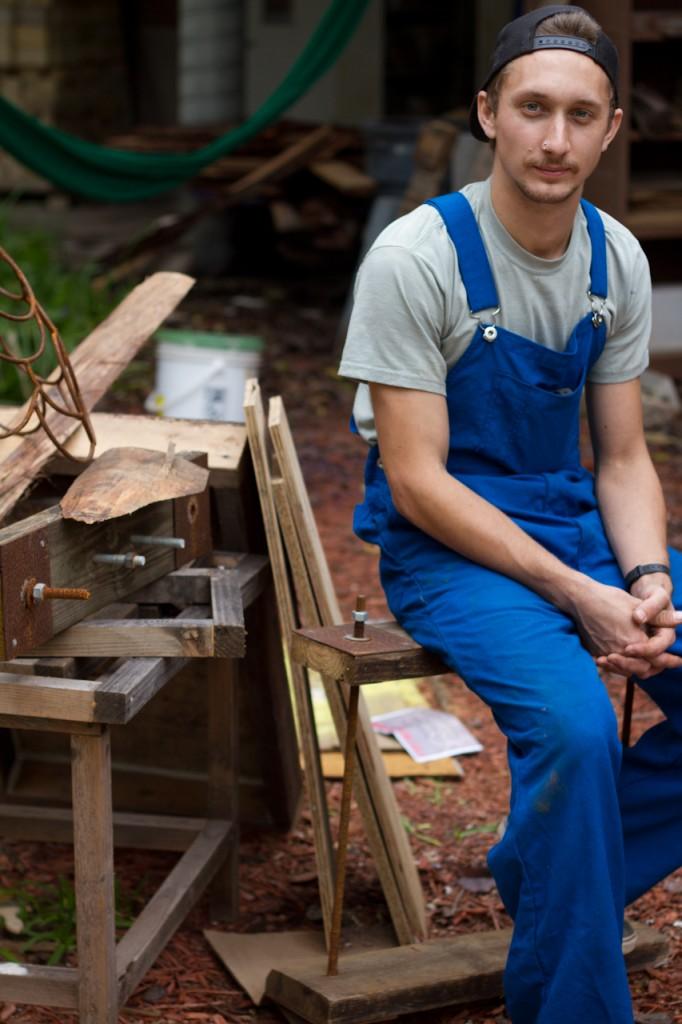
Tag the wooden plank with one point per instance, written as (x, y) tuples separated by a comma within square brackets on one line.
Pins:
[(224, 443), (133, 831), (60, 552), (266, 697), (305, 599), (376, 799), (223, 779), (142, 943), (94, 878), (60, 667), (386, 655), (96, 364), (153, 638), (227, 613), (39, 986), (40, 724), (345, 177), (43, 696), (299, 502), (382, 984), (397, 765), (193, 586), (324, 855)]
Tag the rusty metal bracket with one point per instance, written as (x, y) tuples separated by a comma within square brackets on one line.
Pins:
[(22, 627)]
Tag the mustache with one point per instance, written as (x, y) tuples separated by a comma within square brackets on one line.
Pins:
[(547, 165)]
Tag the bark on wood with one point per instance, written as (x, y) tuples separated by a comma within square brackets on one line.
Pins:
[(123, 480)]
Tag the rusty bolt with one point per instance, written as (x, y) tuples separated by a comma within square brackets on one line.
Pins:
[(34, 593), (359, 618)]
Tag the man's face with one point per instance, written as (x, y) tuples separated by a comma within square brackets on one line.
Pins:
[(551, 124)]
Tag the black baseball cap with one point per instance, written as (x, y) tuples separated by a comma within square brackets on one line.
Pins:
[(518, 38)]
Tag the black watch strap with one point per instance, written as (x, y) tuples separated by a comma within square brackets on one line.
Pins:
[(645, 570)]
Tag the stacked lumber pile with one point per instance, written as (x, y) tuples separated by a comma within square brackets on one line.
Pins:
[(307, 178), (62, 61)]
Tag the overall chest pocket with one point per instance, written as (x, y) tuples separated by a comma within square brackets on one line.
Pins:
[(538, 423)]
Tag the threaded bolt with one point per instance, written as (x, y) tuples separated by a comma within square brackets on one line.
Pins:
[(359, 618), (128, 561), (158, 542)]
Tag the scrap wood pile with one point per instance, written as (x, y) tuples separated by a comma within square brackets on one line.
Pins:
[(310, 179)]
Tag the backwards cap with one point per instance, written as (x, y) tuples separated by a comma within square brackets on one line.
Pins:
[(518, 38)]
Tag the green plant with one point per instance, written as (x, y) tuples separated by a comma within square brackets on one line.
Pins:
[(419, 831), (66, 294), (48, 913), (476, 830)]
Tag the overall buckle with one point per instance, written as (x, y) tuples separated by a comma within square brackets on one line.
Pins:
[(489, 328)]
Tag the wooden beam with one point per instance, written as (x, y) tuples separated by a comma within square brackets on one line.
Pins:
[(227, 613), (94, 878), (387, 654), (223, 778), (96, 364), (115, 698), (382, 984), (39, 986), (223, 443), (140, 638), (193, 586), (59, 552), (324, 853), (135, 831), (142, 943), (376, 799)]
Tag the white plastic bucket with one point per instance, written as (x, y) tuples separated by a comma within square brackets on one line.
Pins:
[(200, 375)]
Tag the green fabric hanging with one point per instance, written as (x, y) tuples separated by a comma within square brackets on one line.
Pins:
[(116, 176)]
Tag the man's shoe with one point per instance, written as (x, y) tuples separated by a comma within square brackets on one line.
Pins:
[(629, 937)]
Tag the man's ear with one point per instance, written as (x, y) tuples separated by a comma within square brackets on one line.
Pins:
[(486, 114), (616, 122)]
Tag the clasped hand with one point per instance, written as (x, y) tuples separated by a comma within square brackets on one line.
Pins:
[(631, 634)]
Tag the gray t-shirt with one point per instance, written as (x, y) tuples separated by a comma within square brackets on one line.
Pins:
[(411, 321)]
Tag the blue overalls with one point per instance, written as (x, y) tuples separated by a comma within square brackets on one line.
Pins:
[(590, 827)]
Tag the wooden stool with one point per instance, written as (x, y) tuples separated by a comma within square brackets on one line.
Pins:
[(357, 657)]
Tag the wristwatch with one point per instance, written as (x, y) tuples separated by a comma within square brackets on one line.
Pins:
[(645, 570)]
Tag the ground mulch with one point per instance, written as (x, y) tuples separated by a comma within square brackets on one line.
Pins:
[(451, 824)]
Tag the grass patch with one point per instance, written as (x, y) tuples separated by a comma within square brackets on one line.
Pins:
[(48, 914), (64, 293)]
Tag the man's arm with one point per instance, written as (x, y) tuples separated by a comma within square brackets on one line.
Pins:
[(633, 510), (412, 428)]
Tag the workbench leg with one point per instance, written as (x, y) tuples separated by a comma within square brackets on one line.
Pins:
[(223, 777), (94, 878)]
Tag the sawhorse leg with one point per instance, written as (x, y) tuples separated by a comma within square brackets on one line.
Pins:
[(223, 778), (94, 878)]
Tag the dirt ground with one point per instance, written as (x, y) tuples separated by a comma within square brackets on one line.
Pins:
[(451, 824)]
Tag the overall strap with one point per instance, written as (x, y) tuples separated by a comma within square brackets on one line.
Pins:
[(474, 266), (595, 229)]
